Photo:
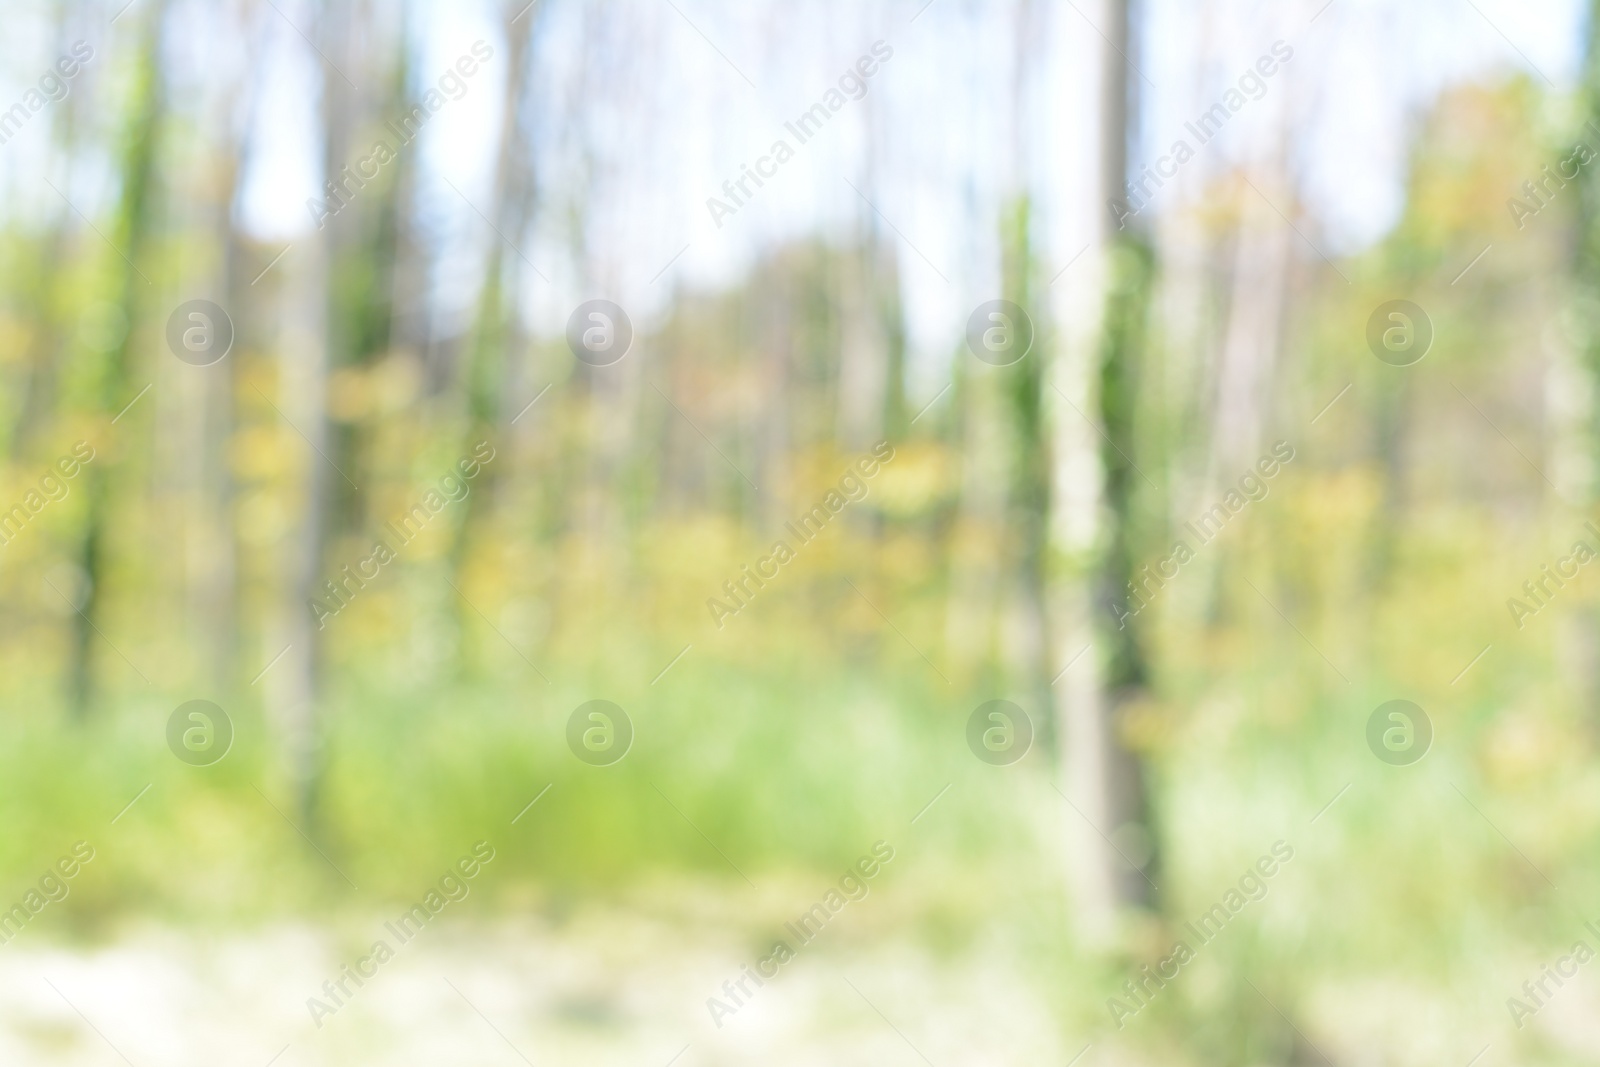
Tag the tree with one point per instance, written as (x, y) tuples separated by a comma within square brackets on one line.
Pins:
[(499, 342), (130, 234), (1106, 777), (340, 315)]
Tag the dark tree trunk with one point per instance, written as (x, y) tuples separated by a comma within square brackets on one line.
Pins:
[(129, 233), (1116, 843)]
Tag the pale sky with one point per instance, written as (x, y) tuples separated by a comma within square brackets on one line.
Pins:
[(672, 102)]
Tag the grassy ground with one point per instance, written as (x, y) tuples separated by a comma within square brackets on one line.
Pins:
[(1415, 905)]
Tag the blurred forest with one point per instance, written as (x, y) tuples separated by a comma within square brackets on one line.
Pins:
[(1000, 554)]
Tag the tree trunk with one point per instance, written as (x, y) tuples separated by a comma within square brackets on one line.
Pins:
[(499, 342), (129, 233), (1587, 272), (294, 687), (1106, 778), (341, 313)]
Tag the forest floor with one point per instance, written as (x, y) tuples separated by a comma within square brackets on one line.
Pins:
[(612, 983)]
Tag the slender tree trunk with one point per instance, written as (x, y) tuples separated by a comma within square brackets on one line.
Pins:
[(866, 344), (1587, 277), (977, 544), (295, 686), (775, 316), (1252, 338), (130, 234), (498, 340), (1106, 778), (340, 315), (215, 590), (37, 401), (863, 349), (974, 552), (1026, 634)]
